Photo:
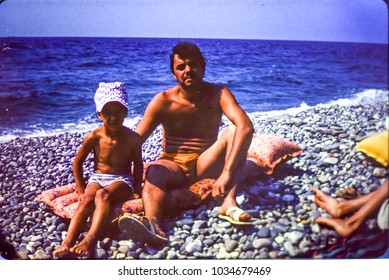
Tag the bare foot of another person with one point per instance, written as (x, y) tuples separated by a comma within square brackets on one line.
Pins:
[(84, 248), (62, 251), (343, 227), (328, 203)]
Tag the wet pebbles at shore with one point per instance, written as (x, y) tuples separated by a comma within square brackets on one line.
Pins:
[(282, 202)]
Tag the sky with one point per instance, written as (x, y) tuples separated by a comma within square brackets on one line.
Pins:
[(309, 20)]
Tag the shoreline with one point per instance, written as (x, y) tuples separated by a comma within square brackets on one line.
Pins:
[(282, 201), (368, 96)]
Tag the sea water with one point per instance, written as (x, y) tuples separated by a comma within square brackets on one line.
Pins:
[(47, 84)]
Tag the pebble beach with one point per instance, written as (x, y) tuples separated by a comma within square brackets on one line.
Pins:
[(282, 202)]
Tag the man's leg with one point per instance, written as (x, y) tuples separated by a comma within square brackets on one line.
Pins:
[(160, 174), (210, 165), (104, 200)]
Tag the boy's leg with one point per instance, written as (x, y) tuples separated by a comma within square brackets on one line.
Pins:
[(159, 175), (104, 200), (77, 223), (210, 165)]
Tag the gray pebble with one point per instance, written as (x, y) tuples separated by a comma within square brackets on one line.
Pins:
[(283, 204), (231, 245), (261, 242)]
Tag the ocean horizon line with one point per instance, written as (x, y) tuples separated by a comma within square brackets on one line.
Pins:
[(190, 38)]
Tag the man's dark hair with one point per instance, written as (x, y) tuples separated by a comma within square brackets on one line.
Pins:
[(187, 50)]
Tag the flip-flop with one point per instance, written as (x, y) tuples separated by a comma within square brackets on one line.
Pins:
[(235, 217), (137, 231)]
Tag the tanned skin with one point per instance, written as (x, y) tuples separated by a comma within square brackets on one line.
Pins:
[(190, 114), (115, 149), (361, 207)]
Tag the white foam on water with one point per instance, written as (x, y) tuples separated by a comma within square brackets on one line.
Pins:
[(81, 127), (369, 96)]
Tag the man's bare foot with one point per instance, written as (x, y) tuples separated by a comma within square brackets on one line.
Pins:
[(84, 248), (328, 203), (157, 228), (342, 227), (62, 251), (139, 228)]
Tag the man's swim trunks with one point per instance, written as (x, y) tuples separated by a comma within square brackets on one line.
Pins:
[(107, 179), (187, 162)]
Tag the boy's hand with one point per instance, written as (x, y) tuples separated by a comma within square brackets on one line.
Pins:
[(80, 192)]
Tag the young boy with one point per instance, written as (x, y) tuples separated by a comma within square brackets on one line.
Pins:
[(115, 148)]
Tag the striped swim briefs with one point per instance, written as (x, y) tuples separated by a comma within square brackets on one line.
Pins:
[(107, 179)]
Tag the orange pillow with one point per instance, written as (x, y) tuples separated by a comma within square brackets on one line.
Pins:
[(267, 150), (133, 206), (49, 195), (202, 188), (66, 211), (64, 199)]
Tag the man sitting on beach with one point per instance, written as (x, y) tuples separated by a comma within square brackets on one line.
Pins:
[(115, 148), (191, 114)]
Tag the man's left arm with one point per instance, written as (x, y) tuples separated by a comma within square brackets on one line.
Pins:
[(242, 136)]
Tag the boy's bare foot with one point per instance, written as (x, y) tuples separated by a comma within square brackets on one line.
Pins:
[(342, 227), (328, 203), (62, 251), (84, 248)]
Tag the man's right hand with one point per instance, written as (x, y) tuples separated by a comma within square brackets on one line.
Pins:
[(219, 187)]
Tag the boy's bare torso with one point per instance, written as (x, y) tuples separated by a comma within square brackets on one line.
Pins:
[(114, 153)]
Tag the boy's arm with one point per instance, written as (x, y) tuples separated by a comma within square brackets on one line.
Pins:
[(87, 146), (138, 167)]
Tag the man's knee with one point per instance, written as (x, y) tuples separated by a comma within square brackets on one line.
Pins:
[(165, 173), (156, 175), (229, 132)]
